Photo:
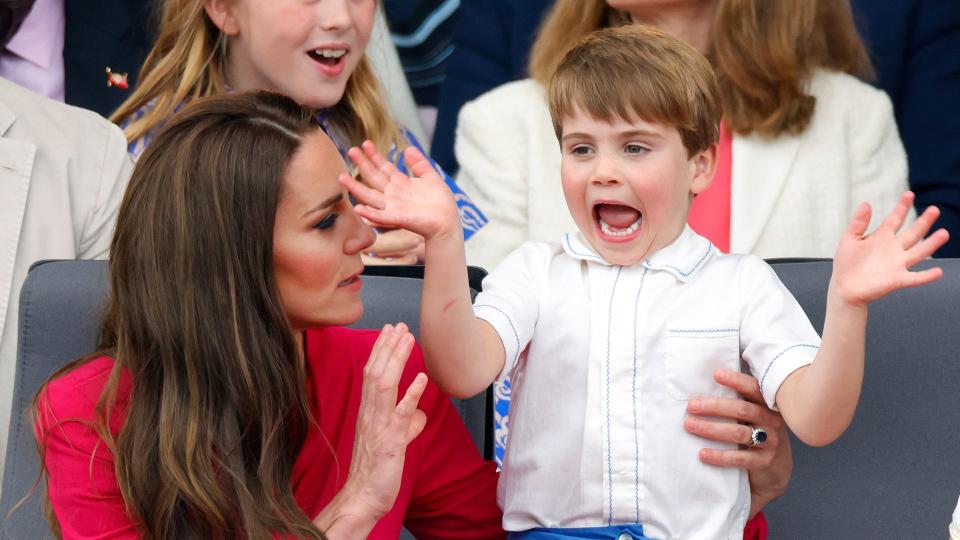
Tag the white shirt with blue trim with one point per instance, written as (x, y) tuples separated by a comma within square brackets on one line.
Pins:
[(603, 359)]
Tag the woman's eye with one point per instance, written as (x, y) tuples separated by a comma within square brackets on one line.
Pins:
[(633, 148), (326, 222)]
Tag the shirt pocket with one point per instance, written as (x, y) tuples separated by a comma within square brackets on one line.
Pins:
[(692, 356)]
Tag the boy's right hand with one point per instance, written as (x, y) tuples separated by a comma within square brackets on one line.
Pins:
[(424, 205)]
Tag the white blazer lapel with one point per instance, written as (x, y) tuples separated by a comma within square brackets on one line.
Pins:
[(760, 169), (16, 167)]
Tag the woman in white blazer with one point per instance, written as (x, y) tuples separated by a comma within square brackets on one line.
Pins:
[(794, 183), (63, 171)]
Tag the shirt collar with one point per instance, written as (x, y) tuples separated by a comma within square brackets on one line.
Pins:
[(40, 37), (683, 258)]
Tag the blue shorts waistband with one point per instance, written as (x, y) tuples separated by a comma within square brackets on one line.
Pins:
[(612, 532)]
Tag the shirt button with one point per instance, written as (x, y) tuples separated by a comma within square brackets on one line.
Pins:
[(625, 536)]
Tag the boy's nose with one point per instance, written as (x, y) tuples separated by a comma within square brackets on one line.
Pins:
[(604, 173)]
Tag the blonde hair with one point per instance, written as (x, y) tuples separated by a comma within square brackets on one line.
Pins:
[(188, 60), (764, 53), (669, 81)]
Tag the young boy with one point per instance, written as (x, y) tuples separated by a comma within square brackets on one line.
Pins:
[(609, 332)]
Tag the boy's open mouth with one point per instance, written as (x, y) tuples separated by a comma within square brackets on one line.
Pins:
[(617, 222)]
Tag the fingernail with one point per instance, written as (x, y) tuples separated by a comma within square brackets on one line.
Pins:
[(695, 405)]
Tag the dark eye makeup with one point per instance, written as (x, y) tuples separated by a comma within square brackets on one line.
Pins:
[(326, 222)]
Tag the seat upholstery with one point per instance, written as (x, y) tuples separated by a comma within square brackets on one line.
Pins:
[(60, 307), (896, 472)]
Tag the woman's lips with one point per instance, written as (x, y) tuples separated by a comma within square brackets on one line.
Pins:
[(352, 282)]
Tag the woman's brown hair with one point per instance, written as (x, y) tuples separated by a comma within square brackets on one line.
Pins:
[(218, 409), (189, 60), (764, 53)]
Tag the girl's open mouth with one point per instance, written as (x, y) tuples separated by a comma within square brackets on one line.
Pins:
[(330, 60)]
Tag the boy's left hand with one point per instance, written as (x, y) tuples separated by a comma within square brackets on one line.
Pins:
[(867, 267), (424, 205)]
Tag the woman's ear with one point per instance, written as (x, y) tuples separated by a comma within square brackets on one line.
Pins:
[(704, 165), (221, 15)]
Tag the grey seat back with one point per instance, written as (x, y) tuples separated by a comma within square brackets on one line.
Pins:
[(60, 309), (896, 472)]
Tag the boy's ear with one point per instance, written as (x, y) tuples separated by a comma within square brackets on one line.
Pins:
[(704, 165), (220, 13)]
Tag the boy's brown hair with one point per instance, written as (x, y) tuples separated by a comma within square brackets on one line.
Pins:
[(639, 72)]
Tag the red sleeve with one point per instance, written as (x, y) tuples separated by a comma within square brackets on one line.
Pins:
[(756, 528), (455, 495), (81, 481)]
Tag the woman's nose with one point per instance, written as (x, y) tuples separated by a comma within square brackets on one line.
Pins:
[(362, 236)]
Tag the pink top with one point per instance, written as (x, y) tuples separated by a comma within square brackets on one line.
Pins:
[(447, 490), (710, 211), (34, 56)]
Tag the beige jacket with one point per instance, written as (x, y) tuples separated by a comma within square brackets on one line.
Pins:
[(791, 196), (63, 171)]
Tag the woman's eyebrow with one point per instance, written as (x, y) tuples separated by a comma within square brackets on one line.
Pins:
[(326, 203)]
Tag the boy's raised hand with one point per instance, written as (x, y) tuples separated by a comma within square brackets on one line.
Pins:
[(424, 205), (867, 267)]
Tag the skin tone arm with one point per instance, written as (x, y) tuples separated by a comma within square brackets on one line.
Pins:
[(384, 429), (818, 401), (464, 354)]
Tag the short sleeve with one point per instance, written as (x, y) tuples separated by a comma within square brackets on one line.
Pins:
[(776, 337), (510, 301)]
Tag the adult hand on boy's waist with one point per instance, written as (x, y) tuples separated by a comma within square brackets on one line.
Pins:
[(769, 465)]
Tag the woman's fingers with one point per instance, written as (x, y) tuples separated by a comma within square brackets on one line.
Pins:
[(741, 459), (726, 432), (402, 260), (408, 418), (735, 409), (395, 243), (741, 383)]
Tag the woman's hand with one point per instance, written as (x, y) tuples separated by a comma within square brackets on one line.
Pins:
[(384, 429), (869, 266), (394, 247), (424, 205), (769, 465)]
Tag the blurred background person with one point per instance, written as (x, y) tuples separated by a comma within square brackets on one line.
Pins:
[(62, 49)]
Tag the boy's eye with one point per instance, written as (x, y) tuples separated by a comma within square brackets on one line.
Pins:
[(581, 150), (326, 222), (634, 148)]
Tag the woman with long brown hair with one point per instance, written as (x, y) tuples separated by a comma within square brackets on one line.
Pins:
[(225, 400)]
